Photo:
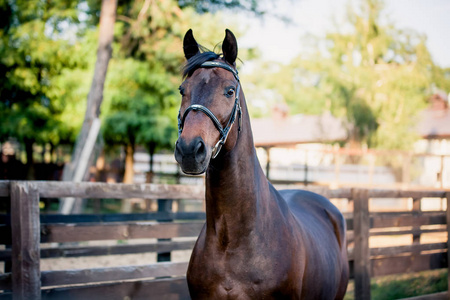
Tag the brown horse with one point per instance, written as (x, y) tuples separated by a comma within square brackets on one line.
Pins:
[(257, 243)]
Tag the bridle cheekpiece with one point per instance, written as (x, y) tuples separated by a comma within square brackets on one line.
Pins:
[(224, 131)]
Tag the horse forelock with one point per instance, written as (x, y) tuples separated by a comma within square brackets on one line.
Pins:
[(197, 60)]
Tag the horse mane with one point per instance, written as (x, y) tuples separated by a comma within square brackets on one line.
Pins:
[(195, 61)]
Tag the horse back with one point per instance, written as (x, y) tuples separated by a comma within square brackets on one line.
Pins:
[(313, 211)]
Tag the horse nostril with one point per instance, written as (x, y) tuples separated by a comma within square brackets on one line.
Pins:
[(179, 151), (200, 152), (177, 147)]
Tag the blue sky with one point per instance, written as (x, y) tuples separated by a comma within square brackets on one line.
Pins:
[(281, 42)]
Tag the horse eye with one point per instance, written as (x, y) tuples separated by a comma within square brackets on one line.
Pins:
[(230, 93), (181, 91)]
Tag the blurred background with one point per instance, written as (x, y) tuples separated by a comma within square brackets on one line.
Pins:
[(340, 92)]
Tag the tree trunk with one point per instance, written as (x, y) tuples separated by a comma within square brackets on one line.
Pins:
[(128, 177), (151, 152), (129, 164), (30, 161), (95, 97), (79, 165), (52, 154)]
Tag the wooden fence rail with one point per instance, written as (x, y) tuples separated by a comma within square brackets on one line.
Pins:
[(24, 229)]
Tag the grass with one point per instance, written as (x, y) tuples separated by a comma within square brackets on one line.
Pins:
[(404, 285)]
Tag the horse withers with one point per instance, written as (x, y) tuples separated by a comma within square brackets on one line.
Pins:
[(257, 242)]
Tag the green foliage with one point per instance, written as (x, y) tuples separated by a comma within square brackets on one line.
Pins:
[(204, 6), (141, 92), (402, 286), (140, 107), (374, 75), (33, 57), (411, 287)]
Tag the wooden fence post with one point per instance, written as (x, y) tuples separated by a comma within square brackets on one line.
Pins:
[(416, 210), (164, 205), (447, 195), (361, 226), (25, 231)]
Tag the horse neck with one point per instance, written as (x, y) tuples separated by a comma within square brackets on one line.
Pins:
[(236, 186)]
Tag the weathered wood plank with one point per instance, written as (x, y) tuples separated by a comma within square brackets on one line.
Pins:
[(447, 196), (97, 218), (111, 231), (392, 193), (164, 206), (170, 289), (26, 282), (408, 231), (416, 220), (361, 249), (397, 250), (81, 251), (68, 277), (416, 248), (408, 264), (54, 189), (416, 210), (401, 219), (407, 213), (113, 217)]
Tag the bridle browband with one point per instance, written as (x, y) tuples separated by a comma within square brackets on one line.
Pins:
[(224, 131)]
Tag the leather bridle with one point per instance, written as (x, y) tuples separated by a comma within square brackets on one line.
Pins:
[(224, 131)]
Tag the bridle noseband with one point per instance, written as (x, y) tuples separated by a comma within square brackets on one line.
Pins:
[(224, 131)]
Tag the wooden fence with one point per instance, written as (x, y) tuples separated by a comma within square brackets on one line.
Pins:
[(25, 233)]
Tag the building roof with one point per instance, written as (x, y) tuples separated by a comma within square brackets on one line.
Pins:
[(435, 124), (298, 129), (435, 121)]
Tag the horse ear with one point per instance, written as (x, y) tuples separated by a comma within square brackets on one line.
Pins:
[(229, 47), (190, 45)]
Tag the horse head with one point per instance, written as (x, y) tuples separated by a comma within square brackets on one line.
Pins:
[(210, 104)]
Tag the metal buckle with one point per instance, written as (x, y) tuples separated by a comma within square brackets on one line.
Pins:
[(217, 149)]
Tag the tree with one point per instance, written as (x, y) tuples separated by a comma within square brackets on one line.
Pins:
[(32, 55), (214, 5), (139, 111), (376, 76)]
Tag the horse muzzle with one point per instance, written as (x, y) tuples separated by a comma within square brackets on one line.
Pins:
[(194, 156)]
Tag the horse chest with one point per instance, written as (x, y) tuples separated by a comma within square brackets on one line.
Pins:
[(223, 283), (239, 274)]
